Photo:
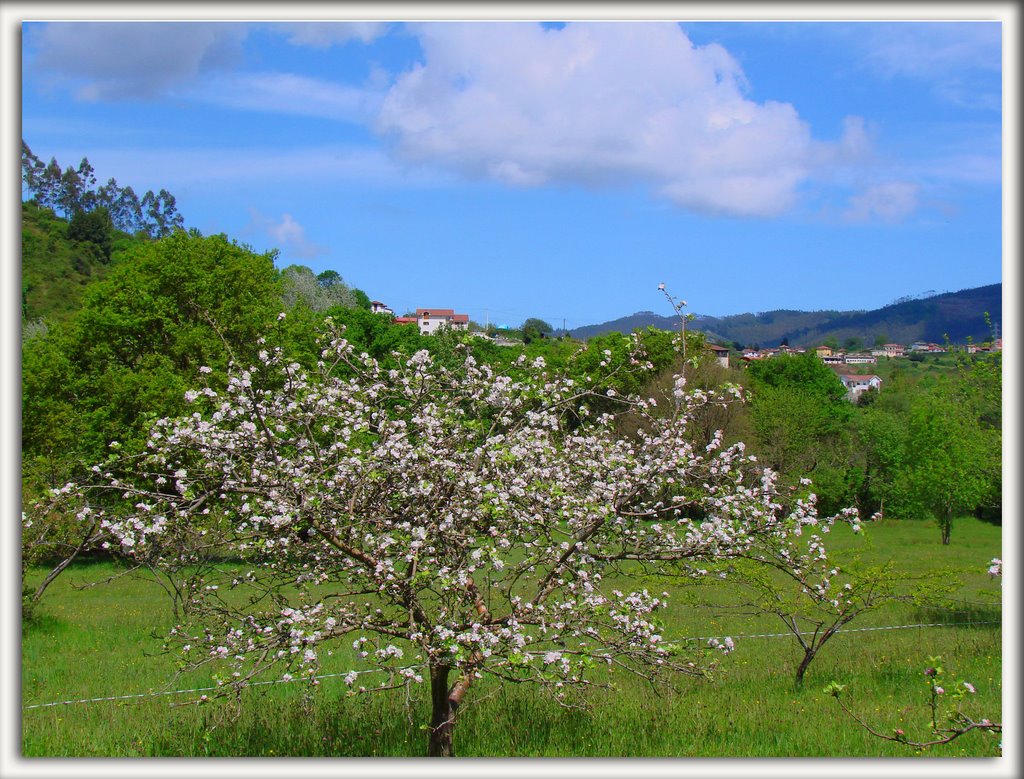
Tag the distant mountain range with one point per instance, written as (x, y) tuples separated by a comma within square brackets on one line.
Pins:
[(958, 315)]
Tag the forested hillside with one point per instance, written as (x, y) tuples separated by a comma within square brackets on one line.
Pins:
[(960, 315), (56, 266)]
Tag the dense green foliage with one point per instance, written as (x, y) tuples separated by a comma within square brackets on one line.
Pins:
[(932, 441), (800, 420), (927, 445), (143, 332)]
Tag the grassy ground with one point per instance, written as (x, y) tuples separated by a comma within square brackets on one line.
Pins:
[(105, 641)]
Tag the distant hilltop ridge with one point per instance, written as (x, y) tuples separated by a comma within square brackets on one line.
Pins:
[(958, 315)]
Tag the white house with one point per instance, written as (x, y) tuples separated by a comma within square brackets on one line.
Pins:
[(430, 320), (379, 308), (856, 384)]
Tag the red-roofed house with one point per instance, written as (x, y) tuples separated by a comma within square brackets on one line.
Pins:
[(431, 319)]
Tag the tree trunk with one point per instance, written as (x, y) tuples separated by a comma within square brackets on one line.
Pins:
[(442, 720), (804, 664), (947, 527)]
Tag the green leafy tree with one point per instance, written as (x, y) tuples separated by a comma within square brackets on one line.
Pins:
[(798, 412), (76, 193), (378, 335), (164, 311), (329, 278), (50, 185), (87, 179), (303, 287), (123, 205), (953, 463), (32, 169), (362, 299), (804, 371), (93, 227), (882, 432), (160, 212), (532, 329), (537, 324), (791, 427), (129, 212)]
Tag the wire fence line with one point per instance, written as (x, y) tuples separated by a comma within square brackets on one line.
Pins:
[(380, 670), (197, 689), (849, 630)]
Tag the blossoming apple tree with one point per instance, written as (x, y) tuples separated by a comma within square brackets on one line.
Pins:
[(446, 523)]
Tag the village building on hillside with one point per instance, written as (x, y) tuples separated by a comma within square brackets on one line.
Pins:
[(721, 354), (823, 351), (856, 384), (858, 358), (430, 320), (379, 308), (761, 354), (927, 347), (988, 346)]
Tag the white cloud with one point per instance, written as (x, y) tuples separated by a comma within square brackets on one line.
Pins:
[(290, 94), (323, 35), (131, 60), (892, 201), (958, 62), (597, 104), (288, 235), (223, 169), (930, 49)]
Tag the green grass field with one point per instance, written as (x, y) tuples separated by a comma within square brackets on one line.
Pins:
[(105, 640)]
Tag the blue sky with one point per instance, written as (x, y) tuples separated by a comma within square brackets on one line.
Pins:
[(510, 170)]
